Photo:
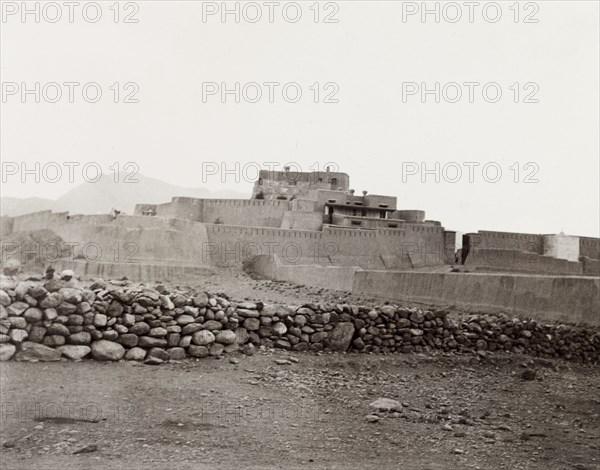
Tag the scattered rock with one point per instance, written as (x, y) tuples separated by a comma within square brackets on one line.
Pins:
[(386, 404)]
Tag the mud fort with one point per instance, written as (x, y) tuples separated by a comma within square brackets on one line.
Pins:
[(313, 229)]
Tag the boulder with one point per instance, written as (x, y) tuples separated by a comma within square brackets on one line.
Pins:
[(18, 336), (159, 353), (33, 352), (73, 296), (4, 299), (82, 337), (128, 340), (242, 335), (225, 337), (50, 314), (150, 342), (54, 340), (279, 328), (104, 350), (17, 322), (17, 308), (216, 349), (74, 352), (135, 354), (197, 351), (185, 320), (201, 300), (176, 354), (203, 338), (140, 328), (36, 334), (52, 300), (33, 315), (100, 320), (7, 351), (158, 332), (212, 325), (58, 329), (252, 324), (341, 336)]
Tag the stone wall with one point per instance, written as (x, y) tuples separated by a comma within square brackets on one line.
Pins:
[(109, 323)]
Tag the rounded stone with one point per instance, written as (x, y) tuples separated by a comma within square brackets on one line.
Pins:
[(203, 338), (74, 352), (225, 337), (33, 314), (197, 351), (252, 324), (104, 350), (135, 354), (7, 351), (216, 349)]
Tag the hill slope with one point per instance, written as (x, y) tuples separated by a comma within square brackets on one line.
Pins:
[(101, 197)]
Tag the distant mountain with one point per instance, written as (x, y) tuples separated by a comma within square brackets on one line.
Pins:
[(18, 206), (102, 196)]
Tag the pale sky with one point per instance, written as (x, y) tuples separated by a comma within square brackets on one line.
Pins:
[(368, 57)]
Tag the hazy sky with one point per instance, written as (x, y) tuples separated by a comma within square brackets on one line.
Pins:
[(374, 61)]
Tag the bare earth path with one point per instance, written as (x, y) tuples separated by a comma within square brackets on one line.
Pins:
[(458, 412)]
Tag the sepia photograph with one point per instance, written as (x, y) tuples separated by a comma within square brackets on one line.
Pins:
[(312, 234)]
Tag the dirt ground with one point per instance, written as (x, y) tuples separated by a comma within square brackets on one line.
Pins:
[(457, 412)]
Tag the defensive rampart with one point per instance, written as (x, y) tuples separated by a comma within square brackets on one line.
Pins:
[(557, 298)]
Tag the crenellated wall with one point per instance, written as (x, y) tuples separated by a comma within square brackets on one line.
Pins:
[(589, 247), (250, 212), (520, 261)]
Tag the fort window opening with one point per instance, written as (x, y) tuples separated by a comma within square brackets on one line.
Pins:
[(334, 181), (393, 225), (356, 222), (353, 211), (382, 214)]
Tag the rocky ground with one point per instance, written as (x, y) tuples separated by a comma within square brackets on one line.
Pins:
[(273, 410), (243, 287)]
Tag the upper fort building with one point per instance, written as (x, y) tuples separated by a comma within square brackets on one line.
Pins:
[(295, 200)]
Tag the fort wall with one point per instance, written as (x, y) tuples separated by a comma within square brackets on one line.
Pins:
[(589, 247), (520, 261), (509, 241), (551, 298), (122, 240)]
